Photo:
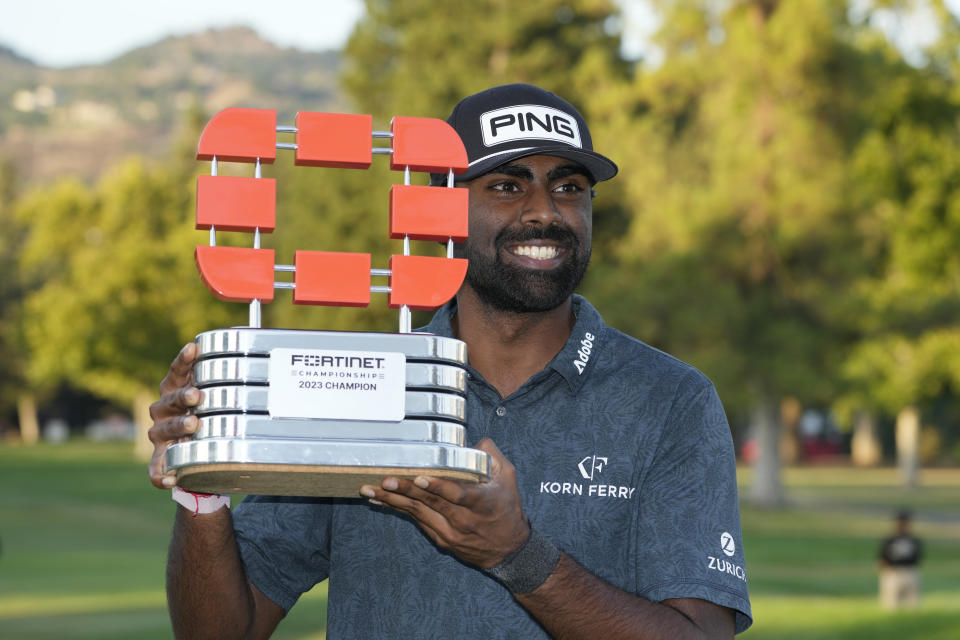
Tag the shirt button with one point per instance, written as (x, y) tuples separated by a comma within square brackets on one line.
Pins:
[(501, 411)]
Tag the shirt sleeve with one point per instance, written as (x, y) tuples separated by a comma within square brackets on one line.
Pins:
[(284, 543), (689, 516)]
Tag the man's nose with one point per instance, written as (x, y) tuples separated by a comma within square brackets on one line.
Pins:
[(539, 208)]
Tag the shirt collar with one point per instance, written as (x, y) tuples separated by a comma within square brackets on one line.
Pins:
[(578, 356), (440, 324)]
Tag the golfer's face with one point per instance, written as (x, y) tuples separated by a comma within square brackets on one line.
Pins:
[(530, 233)]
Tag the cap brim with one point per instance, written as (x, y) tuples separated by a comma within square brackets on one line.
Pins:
[(599, 167)]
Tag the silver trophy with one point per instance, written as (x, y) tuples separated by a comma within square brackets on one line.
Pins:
[(320, 413)]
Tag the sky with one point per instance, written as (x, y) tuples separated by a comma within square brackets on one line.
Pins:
[(65, 33)]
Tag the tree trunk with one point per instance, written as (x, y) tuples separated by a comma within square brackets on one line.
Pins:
[(767, 489), (908, 445), (142, 448), (790, 412), (27, 417), (865, 450)]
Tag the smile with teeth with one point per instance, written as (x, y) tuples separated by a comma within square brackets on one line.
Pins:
[(536, 252)]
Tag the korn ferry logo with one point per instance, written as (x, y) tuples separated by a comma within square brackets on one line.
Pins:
[(590, 468), (591, 464)]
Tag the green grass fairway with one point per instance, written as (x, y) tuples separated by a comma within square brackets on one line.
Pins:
[(84, 539), (811, 566)]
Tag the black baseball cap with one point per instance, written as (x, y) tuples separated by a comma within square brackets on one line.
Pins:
[(516, 120)]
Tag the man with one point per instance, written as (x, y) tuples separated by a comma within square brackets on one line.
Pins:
[(611, 509), (898, 558)]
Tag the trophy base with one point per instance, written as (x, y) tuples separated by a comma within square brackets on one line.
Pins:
[(322, 468), (301, 480), (272, 425)]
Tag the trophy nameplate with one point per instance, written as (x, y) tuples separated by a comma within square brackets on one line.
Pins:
[(320, 413)]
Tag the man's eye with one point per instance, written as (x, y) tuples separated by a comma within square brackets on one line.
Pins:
[(569, 187), (506, 187)]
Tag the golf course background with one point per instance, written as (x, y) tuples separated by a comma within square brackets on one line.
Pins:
[(84, 540)]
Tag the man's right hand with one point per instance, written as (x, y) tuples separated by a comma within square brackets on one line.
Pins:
[(208, 593), (172, 418)]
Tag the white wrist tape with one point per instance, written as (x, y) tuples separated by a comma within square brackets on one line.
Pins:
[(200, 503)]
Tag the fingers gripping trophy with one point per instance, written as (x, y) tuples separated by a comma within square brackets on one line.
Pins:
[(320, 413)]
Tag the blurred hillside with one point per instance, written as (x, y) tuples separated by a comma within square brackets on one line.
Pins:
[(81, 120)]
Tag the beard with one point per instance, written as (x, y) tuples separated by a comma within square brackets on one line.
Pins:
[(507, 287)]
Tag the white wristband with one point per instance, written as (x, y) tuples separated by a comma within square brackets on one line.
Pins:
[(200, 503)]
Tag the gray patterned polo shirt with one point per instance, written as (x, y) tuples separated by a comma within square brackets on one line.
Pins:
[(624, 460)]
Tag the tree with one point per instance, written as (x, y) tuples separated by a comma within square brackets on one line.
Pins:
[(12, 291), (745, 245), (116, 292), (417, 57), (907, 174)]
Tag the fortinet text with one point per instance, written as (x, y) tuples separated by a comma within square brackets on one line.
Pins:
[(353, 362)]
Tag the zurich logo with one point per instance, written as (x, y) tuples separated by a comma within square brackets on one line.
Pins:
[(727, 545)]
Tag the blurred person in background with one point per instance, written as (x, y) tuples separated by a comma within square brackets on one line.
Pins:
[(899, 558)]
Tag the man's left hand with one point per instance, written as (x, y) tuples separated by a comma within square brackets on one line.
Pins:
[(479, 523)]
